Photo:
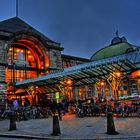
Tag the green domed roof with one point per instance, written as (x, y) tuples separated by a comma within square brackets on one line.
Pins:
[(117, 47)]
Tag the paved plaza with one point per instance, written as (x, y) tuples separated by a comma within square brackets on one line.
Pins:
[(73, 128)]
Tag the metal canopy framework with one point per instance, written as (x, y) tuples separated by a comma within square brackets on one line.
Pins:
[(85, 74)]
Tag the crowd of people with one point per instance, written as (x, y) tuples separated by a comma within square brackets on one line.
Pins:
[(89, 107), (27, 111), (81, 107)]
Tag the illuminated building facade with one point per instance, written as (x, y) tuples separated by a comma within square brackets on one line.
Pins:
[(25, 53)]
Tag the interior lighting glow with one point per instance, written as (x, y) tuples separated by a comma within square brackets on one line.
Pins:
[(18, 50), (30, 56), (136, 73), (47, 65)]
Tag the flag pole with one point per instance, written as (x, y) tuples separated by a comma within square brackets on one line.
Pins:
[(16, 8)]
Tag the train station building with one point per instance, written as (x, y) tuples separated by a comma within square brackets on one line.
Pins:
[(33, 66)]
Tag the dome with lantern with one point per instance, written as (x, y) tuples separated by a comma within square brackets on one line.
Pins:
[(118, 46)]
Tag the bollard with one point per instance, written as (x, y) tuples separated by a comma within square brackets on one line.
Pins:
[(56, 127), (12, 122), (110, 125)]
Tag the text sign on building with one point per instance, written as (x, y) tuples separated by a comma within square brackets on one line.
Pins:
[(20, 62)]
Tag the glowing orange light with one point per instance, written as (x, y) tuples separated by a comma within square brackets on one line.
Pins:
[(47, 65), (136, 73), (21, 51), (10, 49), (28, 52), (118, 74), (18, 50), (30, 56), (102, 83), (69, 82)]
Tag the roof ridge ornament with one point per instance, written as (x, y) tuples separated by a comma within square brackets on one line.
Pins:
[(117, 34), (116, 39)]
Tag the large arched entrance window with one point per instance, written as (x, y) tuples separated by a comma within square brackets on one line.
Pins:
[(26, 59)]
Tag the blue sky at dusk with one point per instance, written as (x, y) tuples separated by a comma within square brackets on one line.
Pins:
[(81, 26)]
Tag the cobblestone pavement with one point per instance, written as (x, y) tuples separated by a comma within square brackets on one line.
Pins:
[(76, 128)]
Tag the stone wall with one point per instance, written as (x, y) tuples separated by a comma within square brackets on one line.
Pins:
[(3, 58), (55, 59)]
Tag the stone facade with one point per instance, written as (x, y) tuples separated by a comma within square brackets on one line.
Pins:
[(3, 56), (15, 32)]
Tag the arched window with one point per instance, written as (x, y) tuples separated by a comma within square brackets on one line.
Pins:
[(25, 60)]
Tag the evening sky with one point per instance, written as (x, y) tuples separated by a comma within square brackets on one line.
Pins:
[(81, 26)]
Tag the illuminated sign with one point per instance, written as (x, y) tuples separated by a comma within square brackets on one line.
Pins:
[(57, 95), (20, 62)]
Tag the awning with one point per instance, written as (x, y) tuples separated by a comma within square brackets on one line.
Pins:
[(84, 74)]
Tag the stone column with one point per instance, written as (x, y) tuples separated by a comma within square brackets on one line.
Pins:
[(3, 59), (86, 91), (75, 93)]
